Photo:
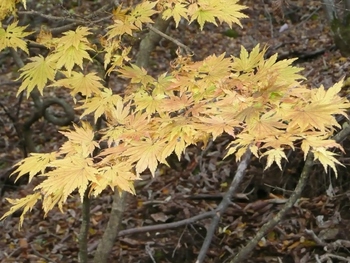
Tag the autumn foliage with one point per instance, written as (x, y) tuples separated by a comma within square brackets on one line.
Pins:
[(259, 101)]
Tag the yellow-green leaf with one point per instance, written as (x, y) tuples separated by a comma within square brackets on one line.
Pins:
[(12, 36), (37, 73)]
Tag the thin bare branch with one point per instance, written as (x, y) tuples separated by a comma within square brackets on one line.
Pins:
[(226, 200), (175, 41)]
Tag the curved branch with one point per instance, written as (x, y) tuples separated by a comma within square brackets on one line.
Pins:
[(61, 121), (40, 110)]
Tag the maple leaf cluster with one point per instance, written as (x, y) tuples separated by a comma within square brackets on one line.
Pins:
[(259, 102)]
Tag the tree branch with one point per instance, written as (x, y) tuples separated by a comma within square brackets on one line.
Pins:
[(226, 200)]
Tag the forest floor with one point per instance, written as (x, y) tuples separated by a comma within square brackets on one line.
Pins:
[(195, 184)]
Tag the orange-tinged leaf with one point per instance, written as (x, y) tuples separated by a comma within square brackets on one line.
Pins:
[(266, 125), (81, 141), (319, 110), (136, 74), (216, 125), (37, 73), (45, 38), (315, 116)]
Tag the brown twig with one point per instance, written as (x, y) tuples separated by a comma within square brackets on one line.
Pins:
[(167, 225), (226, 200), (39, 255), (175, 41)]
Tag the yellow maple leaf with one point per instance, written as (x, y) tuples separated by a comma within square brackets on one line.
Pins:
[(27, 203), (119, 28), (136, 74), (12, 37), (148, 102), (248, 61), (35, 163), (142, 13), (7, 7), (116, 54), (227, 11), (317, 140), (71, 173), (37, 73), (176, 10), (116, 175), (120, 114), (72, 49), (146, 153), (87, 85), (240, 144), (104, 102), (326, 158), (274, 156), (49, 201), (215, 68)]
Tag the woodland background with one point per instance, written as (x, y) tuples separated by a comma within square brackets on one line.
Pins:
[(197, 183)]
